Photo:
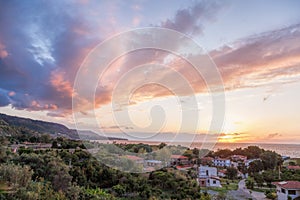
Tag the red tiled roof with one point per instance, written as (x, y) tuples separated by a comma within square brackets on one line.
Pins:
[(179, 157), (293, 167), (288, 184)]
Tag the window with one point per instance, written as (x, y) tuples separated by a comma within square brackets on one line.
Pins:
[(206, 172), (203, 182), (292, 192), (214, 182), (282, 190)]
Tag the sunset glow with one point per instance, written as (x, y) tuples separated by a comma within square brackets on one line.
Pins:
[(255, 46)]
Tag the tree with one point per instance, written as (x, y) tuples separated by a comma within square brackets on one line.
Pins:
[(54, 144), (119, 189), (255, 166), (17, 176), (269, 159), (162, 145), (231, 173), (258, 179), (59, 175), (269, 176), (45, 138), (242, 168), (223, 153), (253, 152)]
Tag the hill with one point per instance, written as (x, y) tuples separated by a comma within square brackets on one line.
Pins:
[(12, 125)]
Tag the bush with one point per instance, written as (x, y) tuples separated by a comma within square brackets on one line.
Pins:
[(271, 194)]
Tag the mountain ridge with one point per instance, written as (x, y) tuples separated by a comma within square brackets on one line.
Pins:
[(14, 124)]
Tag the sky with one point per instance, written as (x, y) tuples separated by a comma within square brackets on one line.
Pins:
[(252, 46)]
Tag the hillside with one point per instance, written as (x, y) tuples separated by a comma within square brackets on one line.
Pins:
[(34, 126), (12, 125)]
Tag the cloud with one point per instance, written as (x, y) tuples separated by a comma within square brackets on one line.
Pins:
[(191, 20), (61, 85), (257, 60), (4, 100), (273, 135), (3, 52), (46, 47), (42, 49)]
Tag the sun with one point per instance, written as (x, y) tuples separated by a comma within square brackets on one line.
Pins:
[(226, 138)]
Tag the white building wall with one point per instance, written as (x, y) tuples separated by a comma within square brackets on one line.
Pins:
[(214, 183), (212, 171), (284, 196)]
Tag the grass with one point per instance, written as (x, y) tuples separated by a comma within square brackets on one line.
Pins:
[(233, 185), (256, 189), (263, 188)]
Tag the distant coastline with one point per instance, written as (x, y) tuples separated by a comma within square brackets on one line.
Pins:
[(291, 150)]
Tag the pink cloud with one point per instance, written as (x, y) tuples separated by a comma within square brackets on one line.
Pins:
[(61, 85), (259, 59), (3, 52)]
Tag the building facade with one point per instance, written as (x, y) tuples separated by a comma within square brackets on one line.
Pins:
[(221, 162), (286, 189), (207, 177)]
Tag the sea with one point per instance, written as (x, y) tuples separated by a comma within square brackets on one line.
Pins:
[(291, 150)]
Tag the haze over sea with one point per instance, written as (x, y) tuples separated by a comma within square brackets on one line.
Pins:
[(292, 150)]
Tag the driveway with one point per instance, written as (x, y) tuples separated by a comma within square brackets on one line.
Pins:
[(253, 194)]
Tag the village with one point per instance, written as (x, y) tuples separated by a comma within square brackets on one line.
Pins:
[(214, 174)]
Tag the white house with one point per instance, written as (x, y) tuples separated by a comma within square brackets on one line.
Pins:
[(207, 177), (221, 162), (285, 189)]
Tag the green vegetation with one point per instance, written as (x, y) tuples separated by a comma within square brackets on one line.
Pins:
[(66, 169), (271, 194), (58, 173), (227, 185)]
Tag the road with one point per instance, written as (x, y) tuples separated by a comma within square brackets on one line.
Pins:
[(255, 195)]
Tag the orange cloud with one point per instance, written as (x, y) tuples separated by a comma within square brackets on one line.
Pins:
[(61, 85), (251, 62)]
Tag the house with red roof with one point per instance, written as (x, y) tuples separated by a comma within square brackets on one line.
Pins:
[(206, 160), (179, 160), (286, 189)]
